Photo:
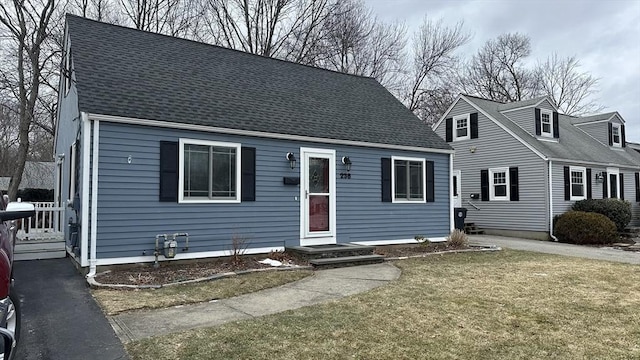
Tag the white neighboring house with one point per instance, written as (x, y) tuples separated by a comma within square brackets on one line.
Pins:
[(36, 175)]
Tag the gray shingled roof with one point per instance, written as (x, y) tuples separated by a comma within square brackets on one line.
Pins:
[(574, 144), (596, 117), (520, 104), (36, 175), (131, 73)]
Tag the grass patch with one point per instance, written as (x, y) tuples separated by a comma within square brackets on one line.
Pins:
[(507, 305), (117, 301)]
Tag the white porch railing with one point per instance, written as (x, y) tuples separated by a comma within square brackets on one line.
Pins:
[(45, 224)]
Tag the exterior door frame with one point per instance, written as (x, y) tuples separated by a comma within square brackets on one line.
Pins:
[(616, 172), (320, 238), (457, 184)]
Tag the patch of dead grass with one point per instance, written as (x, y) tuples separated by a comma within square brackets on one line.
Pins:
[(507, 305), (117, 301)]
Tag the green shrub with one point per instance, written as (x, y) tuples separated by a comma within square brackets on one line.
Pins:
[(619, 211), (585, 228)]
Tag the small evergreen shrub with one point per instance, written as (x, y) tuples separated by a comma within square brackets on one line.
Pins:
[(619, 211), (35, 195), (458, 239), (585, 228)]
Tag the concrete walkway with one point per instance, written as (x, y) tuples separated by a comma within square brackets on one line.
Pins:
[(549, 247), (323, 286)]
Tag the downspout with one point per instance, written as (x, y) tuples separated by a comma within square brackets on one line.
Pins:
[(84, 194), (551, 202), (94, 200)]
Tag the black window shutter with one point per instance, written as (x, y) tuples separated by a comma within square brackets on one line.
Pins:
[(624, 138), (474, 125), (513, 183), (168, 171), (449, 130), (556, 125), (567, 183), (589, 190), (430, 182), (637, 187), (610, 134), (386, 179), (484, 185), (248, 175), (604, 184), (621, 177), (538, 124)]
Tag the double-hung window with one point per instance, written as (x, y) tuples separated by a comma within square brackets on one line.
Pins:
[(578, 177), (408, 178), (615, 135), (209, 171), (545, 122), (499, 184), (461, 130)]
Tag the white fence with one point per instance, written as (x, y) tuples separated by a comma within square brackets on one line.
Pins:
[(45, 224)]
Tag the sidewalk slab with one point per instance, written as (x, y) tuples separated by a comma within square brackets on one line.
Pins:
[(323, 286), (551, 247)]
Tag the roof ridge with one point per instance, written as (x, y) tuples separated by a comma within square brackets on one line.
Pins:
[(69, 15)]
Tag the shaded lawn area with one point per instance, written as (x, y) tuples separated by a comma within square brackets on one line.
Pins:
[(117, 301), (506, 305)]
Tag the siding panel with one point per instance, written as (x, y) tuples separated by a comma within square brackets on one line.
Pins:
[(130, 216)]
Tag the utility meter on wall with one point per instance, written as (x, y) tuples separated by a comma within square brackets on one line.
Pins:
[(170, 247)]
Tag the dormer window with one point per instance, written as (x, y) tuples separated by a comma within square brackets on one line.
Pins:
[(615, 135), (461, 127), (545, 121)]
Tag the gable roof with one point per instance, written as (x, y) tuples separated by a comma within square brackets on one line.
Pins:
[(522, 104), (574, 144), (594, 118), (135, 74), (36, 175)]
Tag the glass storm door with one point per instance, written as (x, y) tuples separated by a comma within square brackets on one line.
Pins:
[(318, 221)]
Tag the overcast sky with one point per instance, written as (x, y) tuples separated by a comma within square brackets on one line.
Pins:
[(603, 34)]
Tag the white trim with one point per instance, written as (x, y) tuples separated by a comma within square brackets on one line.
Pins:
[(457, 185), (582, 170), (551, 140), (492, 196), (94, 193), (452, 202), (550, 189), (72, 172), (444, 116), (613, 171), (329, 237), (183, 256), (616, 126), (466, 117), (84, 194), (501, 125), (397, 241), (393, 180), (185, 141), (595, 163), (212, 129), (542, 132)]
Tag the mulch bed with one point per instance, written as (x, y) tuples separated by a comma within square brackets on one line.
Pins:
[(171, 272)]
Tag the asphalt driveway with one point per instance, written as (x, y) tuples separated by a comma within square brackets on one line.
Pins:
[(60, 319)]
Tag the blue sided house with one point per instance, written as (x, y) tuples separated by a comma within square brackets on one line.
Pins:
[(159, 135)]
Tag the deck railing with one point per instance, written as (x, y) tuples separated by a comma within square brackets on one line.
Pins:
[(45, 224)]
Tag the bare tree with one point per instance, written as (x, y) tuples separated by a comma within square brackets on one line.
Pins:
[(170, 17), (26, 28), (570, 89), (100, 10), (428, 88), (358, 43), (498, 72)]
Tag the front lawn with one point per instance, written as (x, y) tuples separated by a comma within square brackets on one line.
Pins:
[(506, 305)]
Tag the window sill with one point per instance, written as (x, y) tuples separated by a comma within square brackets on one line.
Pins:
[(401, 201), (499, 199), (548, 139), (208, 201), (461, 138), (573, 198)]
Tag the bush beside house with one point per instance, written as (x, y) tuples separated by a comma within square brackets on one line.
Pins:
[(618, 211), (585, 228)]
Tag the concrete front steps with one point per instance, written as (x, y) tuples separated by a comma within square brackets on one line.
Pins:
[(39, 249), (336, 255)]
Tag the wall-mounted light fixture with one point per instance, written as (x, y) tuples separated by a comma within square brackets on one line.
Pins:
[(347, 162), (472, 149), (600, 177), (292, 159)]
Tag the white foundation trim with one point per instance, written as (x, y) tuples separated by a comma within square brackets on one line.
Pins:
[(397, 241)]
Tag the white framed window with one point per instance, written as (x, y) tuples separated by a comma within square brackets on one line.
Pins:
[(209, 172), (546, 117), (499, 184), (578, 182), (461, 127), (408, 179), (615, 135)]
